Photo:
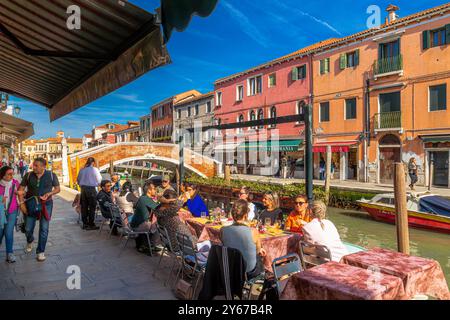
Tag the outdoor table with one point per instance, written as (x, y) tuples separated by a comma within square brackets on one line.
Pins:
[(419, 275), (276, 245), (338, 281)]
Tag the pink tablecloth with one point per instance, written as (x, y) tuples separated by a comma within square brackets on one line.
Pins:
[(337, 281), (419, 275), (275, 246)]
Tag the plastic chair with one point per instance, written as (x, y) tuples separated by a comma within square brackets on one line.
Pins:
[(313, 254), (284, 268), (168, 249)]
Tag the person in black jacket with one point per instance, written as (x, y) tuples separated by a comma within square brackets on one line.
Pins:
[(105, 200)]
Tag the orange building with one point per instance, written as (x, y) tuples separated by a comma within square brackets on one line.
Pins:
[(381, 96)]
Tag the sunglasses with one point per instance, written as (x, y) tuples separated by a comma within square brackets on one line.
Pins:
[(300, 203)]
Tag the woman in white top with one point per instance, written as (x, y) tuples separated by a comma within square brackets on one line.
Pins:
[(244, 194), (323, 232)]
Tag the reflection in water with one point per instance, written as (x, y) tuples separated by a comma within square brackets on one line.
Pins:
[(358, 228)]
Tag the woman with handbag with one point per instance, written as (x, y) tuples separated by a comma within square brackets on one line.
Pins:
[(8, 190)]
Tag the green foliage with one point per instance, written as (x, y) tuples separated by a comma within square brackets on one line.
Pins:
[(338, 198)]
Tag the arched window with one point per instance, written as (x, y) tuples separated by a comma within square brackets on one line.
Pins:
[(273, 115), (300, 108), (240, 120), (390, 140), (261, 116), (252, 117)]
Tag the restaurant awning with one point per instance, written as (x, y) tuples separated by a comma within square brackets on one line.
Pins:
[(272, 145), (336, 146), (44, 61), (13, 126), (435, 139)]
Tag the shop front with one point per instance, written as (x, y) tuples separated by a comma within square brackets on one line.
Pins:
[(344, 159), (437, 150)]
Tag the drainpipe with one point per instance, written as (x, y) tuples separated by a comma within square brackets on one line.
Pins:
[(309, 137), (367, 130)]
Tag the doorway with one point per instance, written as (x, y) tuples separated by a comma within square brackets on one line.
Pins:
[(389, 154), (441, 163)]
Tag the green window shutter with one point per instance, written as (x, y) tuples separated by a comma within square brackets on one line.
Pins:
[(294, 74), (357, 57), (322, 66), (304, 71), (447, 33), (343, 61), (327, 65), (426, 39)]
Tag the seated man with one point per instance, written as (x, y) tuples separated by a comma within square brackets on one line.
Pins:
[(299, 216), (105, 200), (142, 221)]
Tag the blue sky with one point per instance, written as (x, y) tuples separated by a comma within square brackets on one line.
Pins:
[(238, 35)]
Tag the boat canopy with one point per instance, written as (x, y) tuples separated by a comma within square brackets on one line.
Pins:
[(435, 204)]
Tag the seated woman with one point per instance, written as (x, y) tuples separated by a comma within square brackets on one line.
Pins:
[(194, 201), (272, 209), (167, 216), (323, 232), (245, 239), (299, 216), (244, 194), (127, 200)]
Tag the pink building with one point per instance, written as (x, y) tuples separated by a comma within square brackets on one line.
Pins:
[(277, 88)]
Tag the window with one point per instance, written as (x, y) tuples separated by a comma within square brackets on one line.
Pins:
[(208, 107), (438, 97), (239, 93), (350, 108), (196, 110), (179, 114), (240, 119), (254, 86), (252, 117), (325, 66), (261, 117), (389, 102), (349, 59), (324, 112), (219, 99), (148, 123), (273, 115), (437, 37), (298, 73), (300, 109), (272, 80), (389, 49)]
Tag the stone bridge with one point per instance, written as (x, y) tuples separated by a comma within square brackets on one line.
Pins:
[(123, 152)]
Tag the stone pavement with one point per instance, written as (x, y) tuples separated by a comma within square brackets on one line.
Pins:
[(105, 275), (343, 185)]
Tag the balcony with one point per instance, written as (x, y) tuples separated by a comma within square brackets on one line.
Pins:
[(388, 121), (388, 66)]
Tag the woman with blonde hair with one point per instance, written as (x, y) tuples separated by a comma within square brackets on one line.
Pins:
[(321, 231), (272, 210)]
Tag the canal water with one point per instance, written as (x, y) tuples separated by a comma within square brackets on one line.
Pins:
[(359, 228)]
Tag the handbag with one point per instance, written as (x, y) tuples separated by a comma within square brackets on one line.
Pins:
[(183, 290)]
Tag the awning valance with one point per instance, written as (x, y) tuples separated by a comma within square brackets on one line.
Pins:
[(16, 127), (47, 59), (336, 146), (436, 139), (272, 145)]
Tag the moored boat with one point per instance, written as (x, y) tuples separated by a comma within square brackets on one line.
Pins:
[(425, 210)]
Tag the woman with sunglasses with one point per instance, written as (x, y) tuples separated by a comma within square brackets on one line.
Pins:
[(8, 190), (272, 210), (244, 194), (299, 216)]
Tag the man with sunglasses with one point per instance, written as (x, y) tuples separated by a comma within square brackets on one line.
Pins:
[(299, 216), (165, 185)]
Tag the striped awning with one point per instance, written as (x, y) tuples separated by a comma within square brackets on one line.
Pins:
[(435, 139)]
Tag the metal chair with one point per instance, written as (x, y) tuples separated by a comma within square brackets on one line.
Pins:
[(284, 268), (190, 266), (103, 221), (168, 249), (313, 254)]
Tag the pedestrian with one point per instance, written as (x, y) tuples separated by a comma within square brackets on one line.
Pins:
[(89, 178), (322, 169), (37, 204), (8, 190), (21, 167), (115, 181), (412, 170), (284, 162), (292, 168)]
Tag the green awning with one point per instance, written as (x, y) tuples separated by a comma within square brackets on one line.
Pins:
[(282, 145), (436, 139)]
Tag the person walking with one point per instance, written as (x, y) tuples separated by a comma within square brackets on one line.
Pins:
[(35, 197), (412, 170), (8, 189), (89, 178)]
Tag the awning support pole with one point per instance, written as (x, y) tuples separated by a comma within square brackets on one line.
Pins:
[(308, 154)]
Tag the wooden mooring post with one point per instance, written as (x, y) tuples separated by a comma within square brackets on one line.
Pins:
[(401, 210)]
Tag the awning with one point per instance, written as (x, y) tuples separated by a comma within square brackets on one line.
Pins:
[(43, 61), (16, 127), (336, 146), (435, 139), (271, 145)]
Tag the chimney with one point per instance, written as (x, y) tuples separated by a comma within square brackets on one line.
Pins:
[(391, 9)]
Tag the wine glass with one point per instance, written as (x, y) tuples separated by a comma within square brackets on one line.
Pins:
[(203, 215)]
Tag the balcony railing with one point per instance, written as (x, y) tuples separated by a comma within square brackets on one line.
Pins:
[(388, 65), (388, 120)]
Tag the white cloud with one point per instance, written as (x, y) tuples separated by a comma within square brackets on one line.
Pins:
[(129, 97)]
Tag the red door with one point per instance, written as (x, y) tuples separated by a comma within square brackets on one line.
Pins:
[(388, 157)]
